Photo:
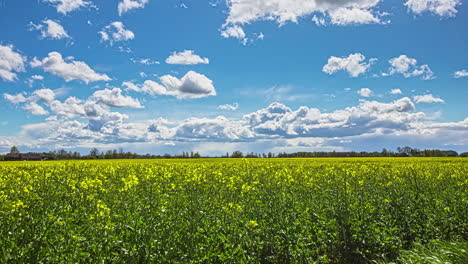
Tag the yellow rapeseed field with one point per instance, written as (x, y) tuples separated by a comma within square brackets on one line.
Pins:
[(229, 210)]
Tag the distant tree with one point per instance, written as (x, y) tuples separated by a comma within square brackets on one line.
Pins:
[(14, 150), (384, 152), (62, 152), (464, 154), (108, 154), (94, 152), (237, 154), (406, 151)]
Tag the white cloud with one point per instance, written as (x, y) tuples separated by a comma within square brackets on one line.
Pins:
[(30, 81), (115, 32), (219, 128), (37, 77), (73, 70), (346, 16), (319, 21), (439, 7), (186, 57), (242, 12), (229, 107), (396, 91), (460, 74), (127, 5), (408, 68), (10, 62), (35, 109), (191, 85), (65, 6), (144, 61), (427, 98), (41, 95), (44, 95), (50, 29), (365, 92), (114, 98), (15, 99), (354, 64), (97, 113), (70, 108), (123, 49), (234, 31), (276, 127), (368, 117)]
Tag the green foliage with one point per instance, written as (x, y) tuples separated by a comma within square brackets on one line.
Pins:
[(436, 252), (230, 210), (14, 150)]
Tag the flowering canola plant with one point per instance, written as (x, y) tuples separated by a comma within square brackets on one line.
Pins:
[(229, 210)]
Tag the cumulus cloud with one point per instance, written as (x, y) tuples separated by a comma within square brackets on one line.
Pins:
[(127, 5), (32, 106), (186, 57), (396, 91), (242, 12), (115, 32), (10, 62), (41, 95), (438, 7), (66, 6), (70, 108), (114, 98), (35, 109), (234, 31), (15, 99), (229, 107), (50, 29), (368, 117), (191, 85), (346, 16), (460, 74), (365, 92), (408, 68), (44, 95), (427, 98), (73, 70), (97, 113), (277, 123), (95, 109), (219, 128), (354, 64)]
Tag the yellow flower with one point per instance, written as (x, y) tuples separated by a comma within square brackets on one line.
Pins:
[(252, 224)]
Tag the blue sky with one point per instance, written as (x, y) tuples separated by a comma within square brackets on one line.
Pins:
[(162, 76)]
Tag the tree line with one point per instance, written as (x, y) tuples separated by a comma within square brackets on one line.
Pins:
[(95, 153)]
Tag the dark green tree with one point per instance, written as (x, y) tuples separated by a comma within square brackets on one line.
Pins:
[(14, 150)]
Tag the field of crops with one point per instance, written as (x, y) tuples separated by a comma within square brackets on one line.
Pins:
[(229, 210)]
